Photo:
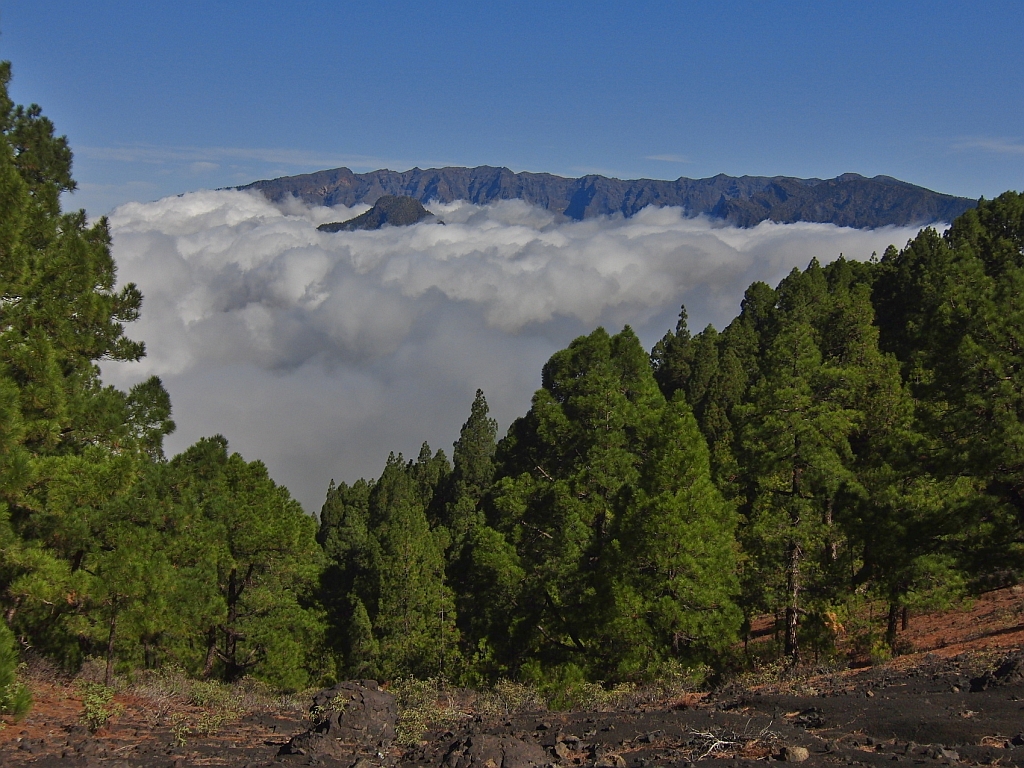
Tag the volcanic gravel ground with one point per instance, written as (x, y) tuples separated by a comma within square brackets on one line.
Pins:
[(919, 709), (926, 715)]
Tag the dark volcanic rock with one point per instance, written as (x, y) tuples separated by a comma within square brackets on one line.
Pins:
[(350, 720), (849, 200), (1009, 671), (389, 210), (489, 751)]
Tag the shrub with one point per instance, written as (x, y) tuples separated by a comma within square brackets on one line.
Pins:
[(423, 705), (508, 697), (98, 705), (15, 697)]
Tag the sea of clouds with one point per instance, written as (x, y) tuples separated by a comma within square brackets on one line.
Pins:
[(320, 353)]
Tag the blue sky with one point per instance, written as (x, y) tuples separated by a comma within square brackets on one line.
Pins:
[(350, 346), (163, 98)]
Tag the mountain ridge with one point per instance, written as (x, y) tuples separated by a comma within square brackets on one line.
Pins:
[(848, 200)]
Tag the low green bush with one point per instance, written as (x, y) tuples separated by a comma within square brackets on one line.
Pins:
[(98, 706), (15, 697)]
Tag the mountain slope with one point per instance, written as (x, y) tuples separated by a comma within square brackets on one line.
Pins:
[(849, 200), (389, 210)]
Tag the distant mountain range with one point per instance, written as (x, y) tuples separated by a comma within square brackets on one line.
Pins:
[(849, 200)]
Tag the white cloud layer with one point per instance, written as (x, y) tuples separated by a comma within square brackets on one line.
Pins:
[(318, 353)]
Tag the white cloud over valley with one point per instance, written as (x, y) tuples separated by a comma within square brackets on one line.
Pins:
[(319, 353)]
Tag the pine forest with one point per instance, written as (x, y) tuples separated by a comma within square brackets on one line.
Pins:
[(854, 435)]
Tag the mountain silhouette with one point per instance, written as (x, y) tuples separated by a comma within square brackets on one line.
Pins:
[(390, 210), (849, 200)]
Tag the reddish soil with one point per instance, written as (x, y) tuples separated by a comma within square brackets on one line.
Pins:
[(917, 708), (145, 732), (993, 622)]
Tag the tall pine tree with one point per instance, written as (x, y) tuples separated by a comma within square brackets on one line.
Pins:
[(600, 459)]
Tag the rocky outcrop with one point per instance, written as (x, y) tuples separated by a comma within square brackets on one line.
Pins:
[(491, 751), (351, 721), (1009, 671), (849, 200), (388, 210)]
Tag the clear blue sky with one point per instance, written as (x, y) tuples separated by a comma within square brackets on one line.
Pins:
[(161, 98)]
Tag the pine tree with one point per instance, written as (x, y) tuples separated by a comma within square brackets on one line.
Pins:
[(388, 601), (672, 579), (69, 447), (888, 509), (473, 471), (671, 358), (564, 492), (481, 566), (106, 548), (950, 308), (715, 372), (414, 616), (488, 580), (350, 576), (796, 444), (267, 566), (361, 648)]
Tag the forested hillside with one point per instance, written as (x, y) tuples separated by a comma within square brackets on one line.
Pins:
[(854, 435)]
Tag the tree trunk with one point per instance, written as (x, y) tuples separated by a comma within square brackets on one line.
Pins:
[(230, 655), (892, 624), (905, 624), (792, 647), (442, 638), (831, 545), (9, 615), (211, 652), (109, 674)]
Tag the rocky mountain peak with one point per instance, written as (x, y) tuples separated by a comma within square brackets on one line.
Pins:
[(388, 210)]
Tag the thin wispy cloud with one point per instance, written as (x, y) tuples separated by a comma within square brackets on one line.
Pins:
[(159, 155), (1001, 146), (669, 158), (169, 170), (320, 353), (203, 166), (128, 187)]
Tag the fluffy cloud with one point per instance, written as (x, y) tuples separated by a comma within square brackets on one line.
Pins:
[(319, 353)]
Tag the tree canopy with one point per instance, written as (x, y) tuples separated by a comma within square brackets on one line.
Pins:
[(106, 548)]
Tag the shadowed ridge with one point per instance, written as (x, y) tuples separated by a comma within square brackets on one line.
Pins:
[(849, 200), (389, 210)]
